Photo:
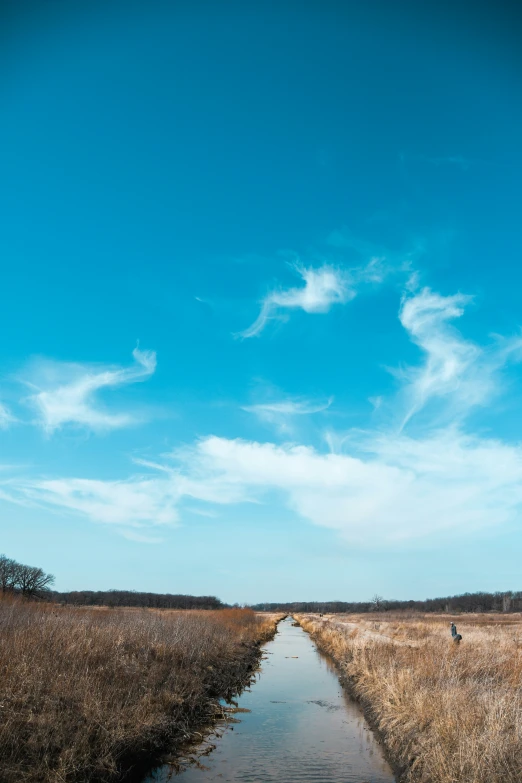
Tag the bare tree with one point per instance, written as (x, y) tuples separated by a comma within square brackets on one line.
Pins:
[(378, 603), (30, 581), (7, 573), (34, 581)]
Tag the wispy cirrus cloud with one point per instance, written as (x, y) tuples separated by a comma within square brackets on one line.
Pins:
[(374, 487), (6, 417), (455, 370), (289, 407), (390, 489), (323, 287), (358, 264), (132, 503), (449, 358), (281, 413), (67, 393), (142, 502)]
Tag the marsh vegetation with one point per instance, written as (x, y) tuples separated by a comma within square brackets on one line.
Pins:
[(87, 693), (294, 725), (446, 712)]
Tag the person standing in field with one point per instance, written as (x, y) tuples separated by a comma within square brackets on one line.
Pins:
[(456, 636)]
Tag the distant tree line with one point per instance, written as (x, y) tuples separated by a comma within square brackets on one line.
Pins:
[(19, 579), (467, 602), (33, 582), (133, 598)]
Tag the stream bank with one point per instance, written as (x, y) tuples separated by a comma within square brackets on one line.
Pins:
[(295, 724)]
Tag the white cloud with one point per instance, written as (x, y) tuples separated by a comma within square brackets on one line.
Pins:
[(134, 502), (323, 288), (141, 501), (328, 285), (391, 489), (453, 366), (283, 411), (395, 488), (6, 417), (376, 488), (69, 395), (289, 407)]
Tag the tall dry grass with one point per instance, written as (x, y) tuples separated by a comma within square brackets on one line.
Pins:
[(86, 693), (447, 713)]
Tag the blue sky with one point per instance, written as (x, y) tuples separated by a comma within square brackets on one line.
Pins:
[(262, 324)]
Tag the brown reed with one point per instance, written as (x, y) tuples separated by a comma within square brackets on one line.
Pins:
[(447, 713), (85, 694)]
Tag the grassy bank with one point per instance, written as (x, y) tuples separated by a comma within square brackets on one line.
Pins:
[(87, 693), (447, 713)]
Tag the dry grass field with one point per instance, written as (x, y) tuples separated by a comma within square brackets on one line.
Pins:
[(447, 713), (87, 693)]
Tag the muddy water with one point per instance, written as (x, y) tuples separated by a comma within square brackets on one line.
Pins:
[(301, 727)]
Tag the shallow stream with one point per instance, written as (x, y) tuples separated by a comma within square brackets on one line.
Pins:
[(301, 727)]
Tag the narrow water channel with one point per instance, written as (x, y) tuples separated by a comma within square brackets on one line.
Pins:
[(301, 727)]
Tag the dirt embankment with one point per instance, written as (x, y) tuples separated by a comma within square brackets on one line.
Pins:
[(91, 694), (446, 713)]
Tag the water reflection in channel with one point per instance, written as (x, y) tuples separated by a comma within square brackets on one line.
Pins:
[(301, 727)]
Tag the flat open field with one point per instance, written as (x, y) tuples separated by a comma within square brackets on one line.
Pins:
[(86, 693), (447, 713)]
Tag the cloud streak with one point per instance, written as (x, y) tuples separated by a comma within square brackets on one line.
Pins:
[(322, 288), (6, 417), (288, 407), (69, 393), (456, 372), (390, 490), (328, 285), (376, 488), (135, 502), (394, 489), (282, 413), (449, 358)]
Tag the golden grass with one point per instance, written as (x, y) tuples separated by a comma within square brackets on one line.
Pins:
[(447, 713), (86, 693)]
